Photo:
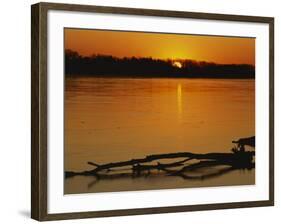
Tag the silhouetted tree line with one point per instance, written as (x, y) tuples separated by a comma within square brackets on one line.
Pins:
[(104, 65)]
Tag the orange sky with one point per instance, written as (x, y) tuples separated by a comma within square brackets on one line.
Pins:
[(225, 50)]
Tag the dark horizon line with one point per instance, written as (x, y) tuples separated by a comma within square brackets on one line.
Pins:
[(104, 65), (153, 58)]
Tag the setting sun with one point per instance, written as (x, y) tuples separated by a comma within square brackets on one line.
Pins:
[(135, 100), (177, 64), (161, 46)]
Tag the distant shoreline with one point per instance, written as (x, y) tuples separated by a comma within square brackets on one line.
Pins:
[(153, 77), (110, 66)]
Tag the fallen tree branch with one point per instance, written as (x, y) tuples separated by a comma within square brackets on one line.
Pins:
[(234, 159)]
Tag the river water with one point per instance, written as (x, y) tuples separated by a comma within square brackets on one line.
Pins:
[(115, 119)]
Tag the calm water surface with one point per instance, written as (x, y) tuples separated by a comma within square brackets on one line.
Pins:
[(114, 119)]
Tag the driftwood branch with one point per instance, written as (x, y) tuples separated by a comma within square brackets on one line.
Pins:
[(137, 166), (187, 163)]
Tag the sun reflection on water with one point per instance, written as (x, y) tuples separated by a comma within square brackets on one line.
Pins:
[(179, 100)]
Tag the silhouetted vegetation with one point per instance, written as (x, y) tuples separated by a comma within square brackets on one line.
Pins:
[(104, 65)]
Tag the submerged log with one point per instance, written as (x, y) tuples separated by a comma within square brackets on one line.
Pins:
[(183, 164), (236, 160), (246, 141)]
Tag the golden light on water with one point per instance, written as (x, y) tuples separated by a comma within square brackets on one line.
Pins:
[(179, 100), (147, 116)]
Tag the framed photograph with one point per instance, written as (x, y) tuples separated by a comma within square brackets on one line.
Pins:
[(138, 111)]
